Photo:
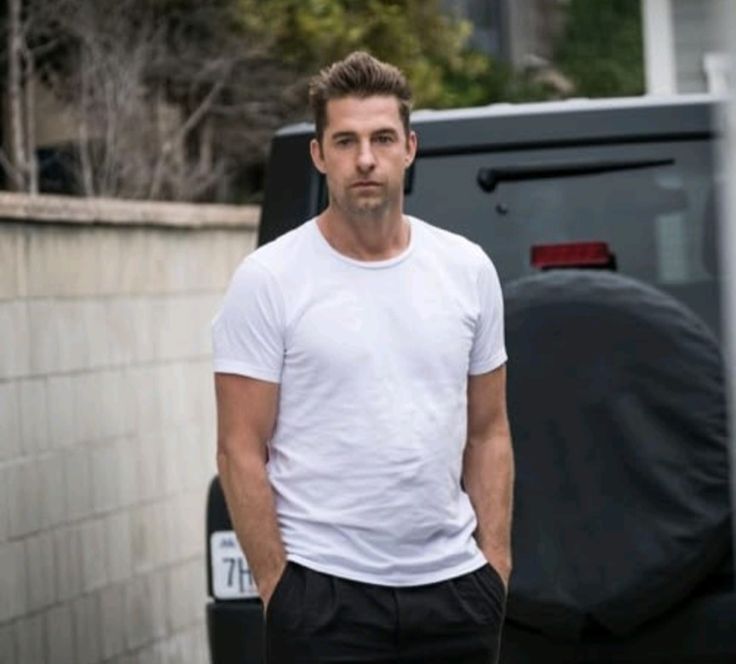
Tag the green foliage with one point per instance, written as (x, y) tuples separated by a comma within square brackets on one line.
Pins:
[(427, 44), (601, 48)]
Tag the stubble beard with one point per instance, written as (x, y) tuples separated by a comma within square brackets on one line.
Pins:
[(368, 208)]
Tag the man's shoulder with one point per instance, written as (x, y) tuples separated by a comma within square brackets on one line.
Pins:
[(286, 251), (272, 265)]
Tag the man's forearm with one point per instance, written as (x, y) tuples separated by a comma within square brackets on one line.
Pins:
[(488, 477), (250, 502)]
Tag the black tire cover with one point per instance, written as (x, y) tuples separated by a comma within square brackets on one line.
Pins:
[(617, 410)]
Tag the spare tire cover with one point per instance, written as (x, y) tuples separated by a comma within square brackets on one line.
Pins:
[(617, 411)]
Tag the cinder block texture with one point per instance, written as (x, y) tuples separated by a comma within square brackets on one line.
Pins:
[(51, 489), (12, 262), (149, 537), (184, 531), (113, 413), (112, 614), (60, 408), (77, 469), (150, 464), (152, 654), (7, 644), (118, 546), (156, 583), (143, 386), (41, 572), (87, 629), (144, 330), (68, 562), (199, 650), (9, 421), (13, 597), (43, 325), (30, 639), (136, 274), (15, 355), (176, 649), (105, 478), (75, 335), (173, 460), (185, 597), (87, 396), (107, 438), (111, 247), (4, 504), (34, 432), (24, 499), (36, 494), (172, 384), (139, 612), (50, 270), (121, 324), (95, 570), (127, 458), (60, 643)]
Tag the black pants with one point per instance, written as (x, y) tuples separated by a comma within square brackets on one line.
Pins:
[(315, 618)]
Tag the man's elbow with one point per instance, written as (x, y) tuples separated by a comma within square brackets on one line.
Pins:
[(496, 438), (234, 456)]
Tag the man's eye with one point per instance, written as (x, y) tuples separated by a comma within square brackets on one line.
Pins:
[(343, 142), (385, 139)]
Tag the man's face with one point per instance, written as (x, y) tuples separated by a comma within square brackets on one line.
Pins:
[(363, 154)]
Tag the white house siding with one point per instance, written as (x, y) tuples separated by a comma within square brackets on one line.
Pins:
[(695, 35)]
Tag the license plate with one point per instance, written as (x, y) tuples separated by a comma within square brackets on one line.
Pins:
[(231, 578)]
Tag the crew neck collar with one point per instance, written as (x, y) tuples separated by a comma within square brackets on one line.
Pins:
[(371, 265)]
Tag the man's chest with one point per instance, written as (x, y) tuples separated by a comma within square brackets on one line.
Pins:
[(414, 326)]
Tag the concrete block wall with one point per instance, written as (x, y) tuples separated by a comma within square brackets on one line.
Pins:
[(107, 432)]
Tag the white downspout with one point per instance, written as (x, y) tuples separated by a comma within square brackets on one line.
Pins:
[(659, 47)]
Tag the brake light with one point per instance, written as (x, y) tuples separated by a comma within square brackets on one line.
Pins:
[(576, 254)]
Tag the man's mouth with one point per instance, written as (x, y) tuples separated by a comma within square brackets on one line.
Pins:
[(365, 183)]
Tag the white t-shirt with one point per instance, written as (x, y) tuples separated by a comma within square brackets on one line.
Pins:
[(372, 358)]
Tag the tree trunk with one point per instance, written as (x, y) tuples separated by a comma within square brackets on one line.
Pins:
[(18, 159), (30, 124), (85, 158)]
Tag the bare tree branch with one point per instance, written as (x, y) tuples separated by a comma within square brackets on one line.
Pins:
[(182, 132), (168, 100)]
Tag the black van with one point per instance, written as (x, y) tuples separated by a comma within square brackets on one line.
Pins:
[(601, 218)]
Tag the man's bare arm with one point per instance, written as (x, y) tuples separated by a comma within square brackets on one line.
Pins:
[(488, 467), (246, 415)]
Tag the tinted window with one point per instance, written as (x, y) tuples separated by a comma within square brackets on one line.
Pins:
[(653, 204)]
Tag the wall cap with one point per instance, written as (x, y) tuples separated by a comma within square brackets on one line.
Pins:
[(44, 208)]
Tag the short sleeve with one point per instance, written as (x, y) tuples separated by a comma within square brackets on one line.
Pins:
[(248, 331), (489, 347)]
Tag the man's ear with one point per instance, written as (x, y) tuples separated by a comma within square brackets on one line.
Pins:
[(411, 148), (318, 157)]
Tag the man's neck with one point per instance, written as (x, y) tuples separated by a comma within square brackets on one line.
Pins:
[(365, 238)]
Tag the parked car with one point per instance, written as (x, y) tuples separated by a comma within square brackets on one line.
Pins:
[(601, 219)]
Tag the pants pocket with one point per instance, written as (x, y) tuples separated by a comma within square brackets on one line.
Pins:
[(491, 589), (278, 591), (495, 577)]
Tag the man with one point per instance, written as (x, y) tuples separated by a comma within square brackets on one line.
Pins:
[(363, 444)]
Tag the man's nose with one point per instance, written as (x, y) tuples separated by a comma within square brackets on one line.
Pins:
[(366, 158)]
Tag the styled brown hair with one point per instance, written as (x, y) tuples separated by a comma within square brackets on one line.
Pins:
[(358, 75)]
